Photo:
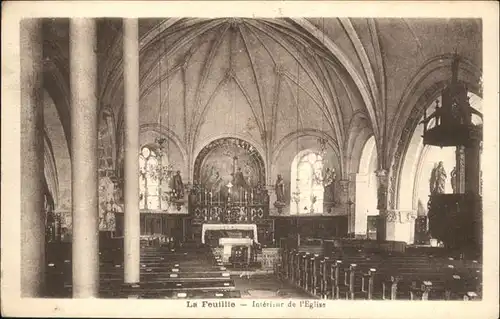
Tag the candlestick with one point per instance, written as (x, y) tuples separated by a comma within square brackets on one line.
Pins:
[(206, 197), (210, 194)]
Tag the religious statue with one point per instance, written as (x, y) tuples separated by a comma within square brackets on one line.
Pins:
[(177, 186), (217, 183), (239, 179), (381, 197), (432, 179), (453, 180), (329, 186), (279, 188), (439, 177)]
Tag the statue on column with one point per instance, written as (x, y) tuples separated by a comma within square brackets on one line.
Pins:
[(453, 180), (177, 186), (329, 186), (279, 188)]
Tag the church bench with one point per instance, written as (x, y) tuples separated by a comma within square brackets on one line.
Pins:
[(170, 276), (167, 266), (377, 276), (200, 294), (168, 286), (353, 273), (325, 289), (298, 268)]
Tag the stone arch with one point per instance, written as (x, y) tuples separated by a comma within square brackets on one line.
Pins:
[(424, 88), (368, 156), (57, 154), (232, 145), (359, 132), (332, 143), (365, 188), (210, 139)]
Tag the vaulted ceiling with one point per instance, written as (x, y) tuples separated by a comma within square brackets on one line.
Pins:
[(267, 79)]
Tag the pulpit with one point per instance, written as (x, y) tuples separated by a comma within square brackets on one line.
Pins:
[(456, 219)]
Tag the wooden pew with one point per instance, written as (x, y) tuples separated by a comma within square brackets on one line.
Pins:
[(352, 273)]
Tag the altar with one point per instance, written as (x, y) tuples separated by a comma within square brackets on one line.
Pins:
[(229, 227), (228, 243)]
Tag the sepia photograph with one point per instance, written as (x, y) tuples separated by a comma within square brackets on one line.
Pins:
[(250, 164)]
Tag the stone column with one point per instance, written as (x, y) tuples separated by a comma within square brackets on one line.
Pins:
[(273, 210), (131, 105), (343, 191), (360, 214), (382, 188), (84, 109), (400, 225), (473, 167), (32, 161), (460, 169), (345, 202)]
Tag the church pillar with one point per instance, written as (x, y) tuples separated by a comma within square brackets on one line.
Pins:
[(393, 224), (84, 107), (382, 187), (131, 105), (343, 193), (400, 225), (273, 210), (346, 202), (473, 167), (32, 161), (360, 212), (460, 169)]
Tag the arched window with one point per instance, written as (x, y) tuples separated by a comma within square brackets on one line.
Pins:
[(307, 183), (153, 180)]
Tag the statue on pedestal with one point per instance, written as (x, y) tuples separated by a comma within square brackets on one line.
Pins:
[(432, 179), (239, 179), (453, 179), (177, 186), (438, 179), (329, 186), (279, 188)]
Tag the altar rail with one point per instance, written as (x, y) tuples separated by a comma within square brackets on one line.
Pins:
[(247, 206)]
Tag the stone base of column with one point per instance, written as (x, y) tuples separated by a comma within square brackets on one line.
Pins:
[(398, 225), (273, 209)]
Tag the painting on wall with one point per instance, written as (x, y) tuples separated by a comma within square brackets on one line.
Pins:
[(229, 160)]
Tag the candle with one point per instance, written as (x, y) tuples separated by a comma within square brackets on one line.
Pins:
[(210, 194)]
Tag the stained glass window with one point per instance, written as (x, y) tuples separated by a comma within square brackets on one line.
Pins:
[(307, 189), (151, 183)]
